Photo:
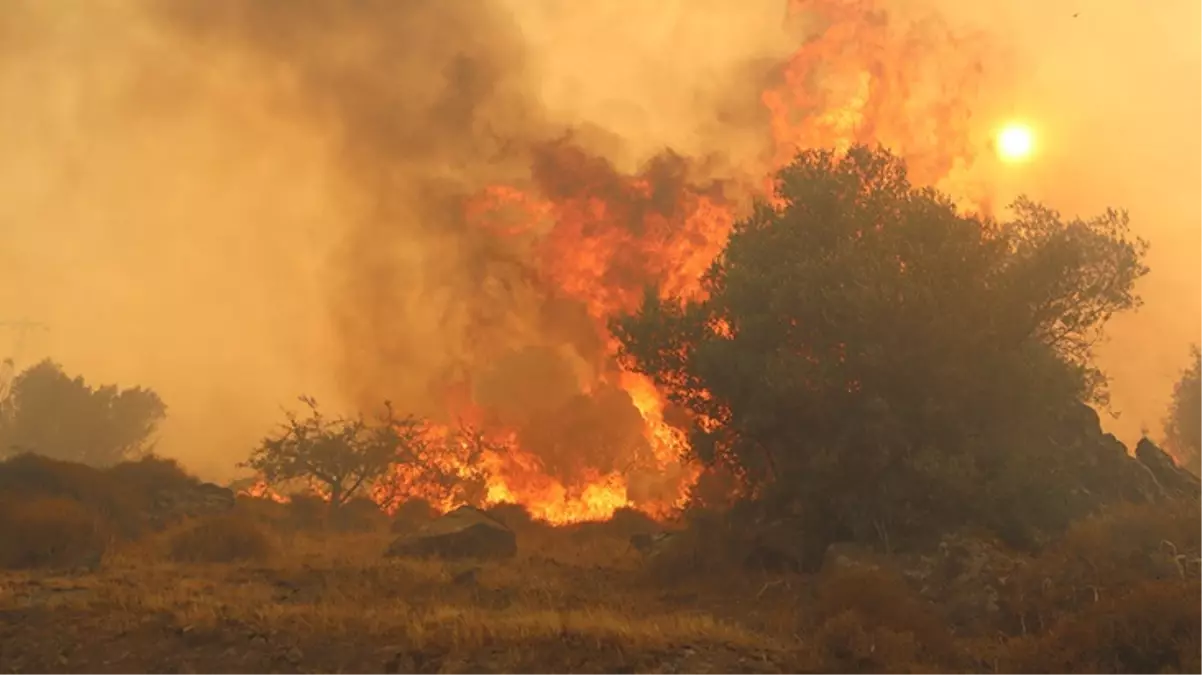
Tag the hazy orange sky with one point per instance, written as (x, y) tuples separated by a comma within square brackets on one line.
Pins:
[(171, 216), (1115, 95)]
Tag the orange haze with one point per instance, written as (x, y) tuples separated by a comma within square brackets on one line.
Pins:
[(441, 202)]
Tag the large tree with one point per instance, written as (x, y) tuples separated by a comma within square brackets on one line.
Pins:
[(50, 413), (865, 352)]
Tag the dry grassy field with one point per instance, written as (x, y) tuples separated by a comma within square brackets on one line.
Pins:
[(333, 603), (266, 588)]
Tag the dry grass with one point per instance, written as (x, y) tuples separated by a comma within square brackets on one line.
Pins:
[(335, 604), (575, 599), (49, 533), (220, 539)]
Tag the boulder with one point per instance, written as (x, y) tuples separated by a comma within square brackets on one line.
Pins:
[(466, 532)]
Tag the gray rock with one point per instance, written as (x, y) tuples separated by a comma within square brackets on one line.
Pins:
[(466, 532)]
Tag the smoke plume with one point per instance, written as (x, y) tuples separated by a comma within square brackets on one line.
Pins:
[(431, 201)]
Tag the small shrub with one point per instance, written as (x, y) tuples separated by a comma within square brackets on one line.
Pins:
[(50, 533), (847, 643), (221, 539), (709, 546), (1154, 627), (886, 609), (1128, 528), (308, 512), (359, 514), (1104, 556)]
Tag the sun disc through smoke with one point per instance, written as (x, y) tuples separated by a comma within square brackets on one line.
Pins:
[(1015, 143)]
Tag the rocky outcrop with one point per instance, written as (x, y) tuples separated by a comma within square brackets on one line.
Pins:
[(1070, 470), (1174, 482), (466, 532)]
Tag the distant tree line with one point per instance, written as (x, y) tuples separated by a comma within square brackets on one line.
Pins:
[(50, 413)]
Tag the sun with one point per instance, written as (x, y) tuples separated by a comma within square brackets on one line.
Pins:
[(1015, 143)]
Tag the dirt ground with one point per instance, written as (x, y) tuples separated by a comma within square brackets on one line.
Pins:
[(333, 603)]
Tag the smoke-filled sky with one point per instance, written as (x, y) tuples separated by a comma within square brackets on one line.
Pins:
[(238, 202)]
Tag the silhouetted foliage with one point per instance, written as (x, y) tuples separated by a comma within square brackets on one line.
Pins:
[(52, 414), (876, 356), (341, 454), (1183, 427)]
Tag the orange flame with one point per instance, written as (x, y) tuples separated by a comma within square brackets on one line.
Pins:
[(597, 237)]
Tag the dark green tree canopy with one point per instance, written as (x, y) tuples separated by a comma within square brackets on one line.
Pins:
[(53, 414), (862, 345)]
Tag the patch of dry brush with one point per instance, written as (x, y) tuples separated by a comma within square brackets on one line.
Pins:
[(270, 587)]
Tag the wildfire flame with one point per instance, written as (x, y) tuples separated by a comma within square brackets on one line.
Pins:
[(596, 237)]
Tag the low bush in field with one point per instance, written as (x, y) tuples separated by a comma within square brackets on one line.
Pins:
[(50, 533), (220, 539)]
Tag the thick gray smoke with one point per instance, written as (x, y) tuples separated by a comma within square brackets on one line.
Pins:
[(236, 202)]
